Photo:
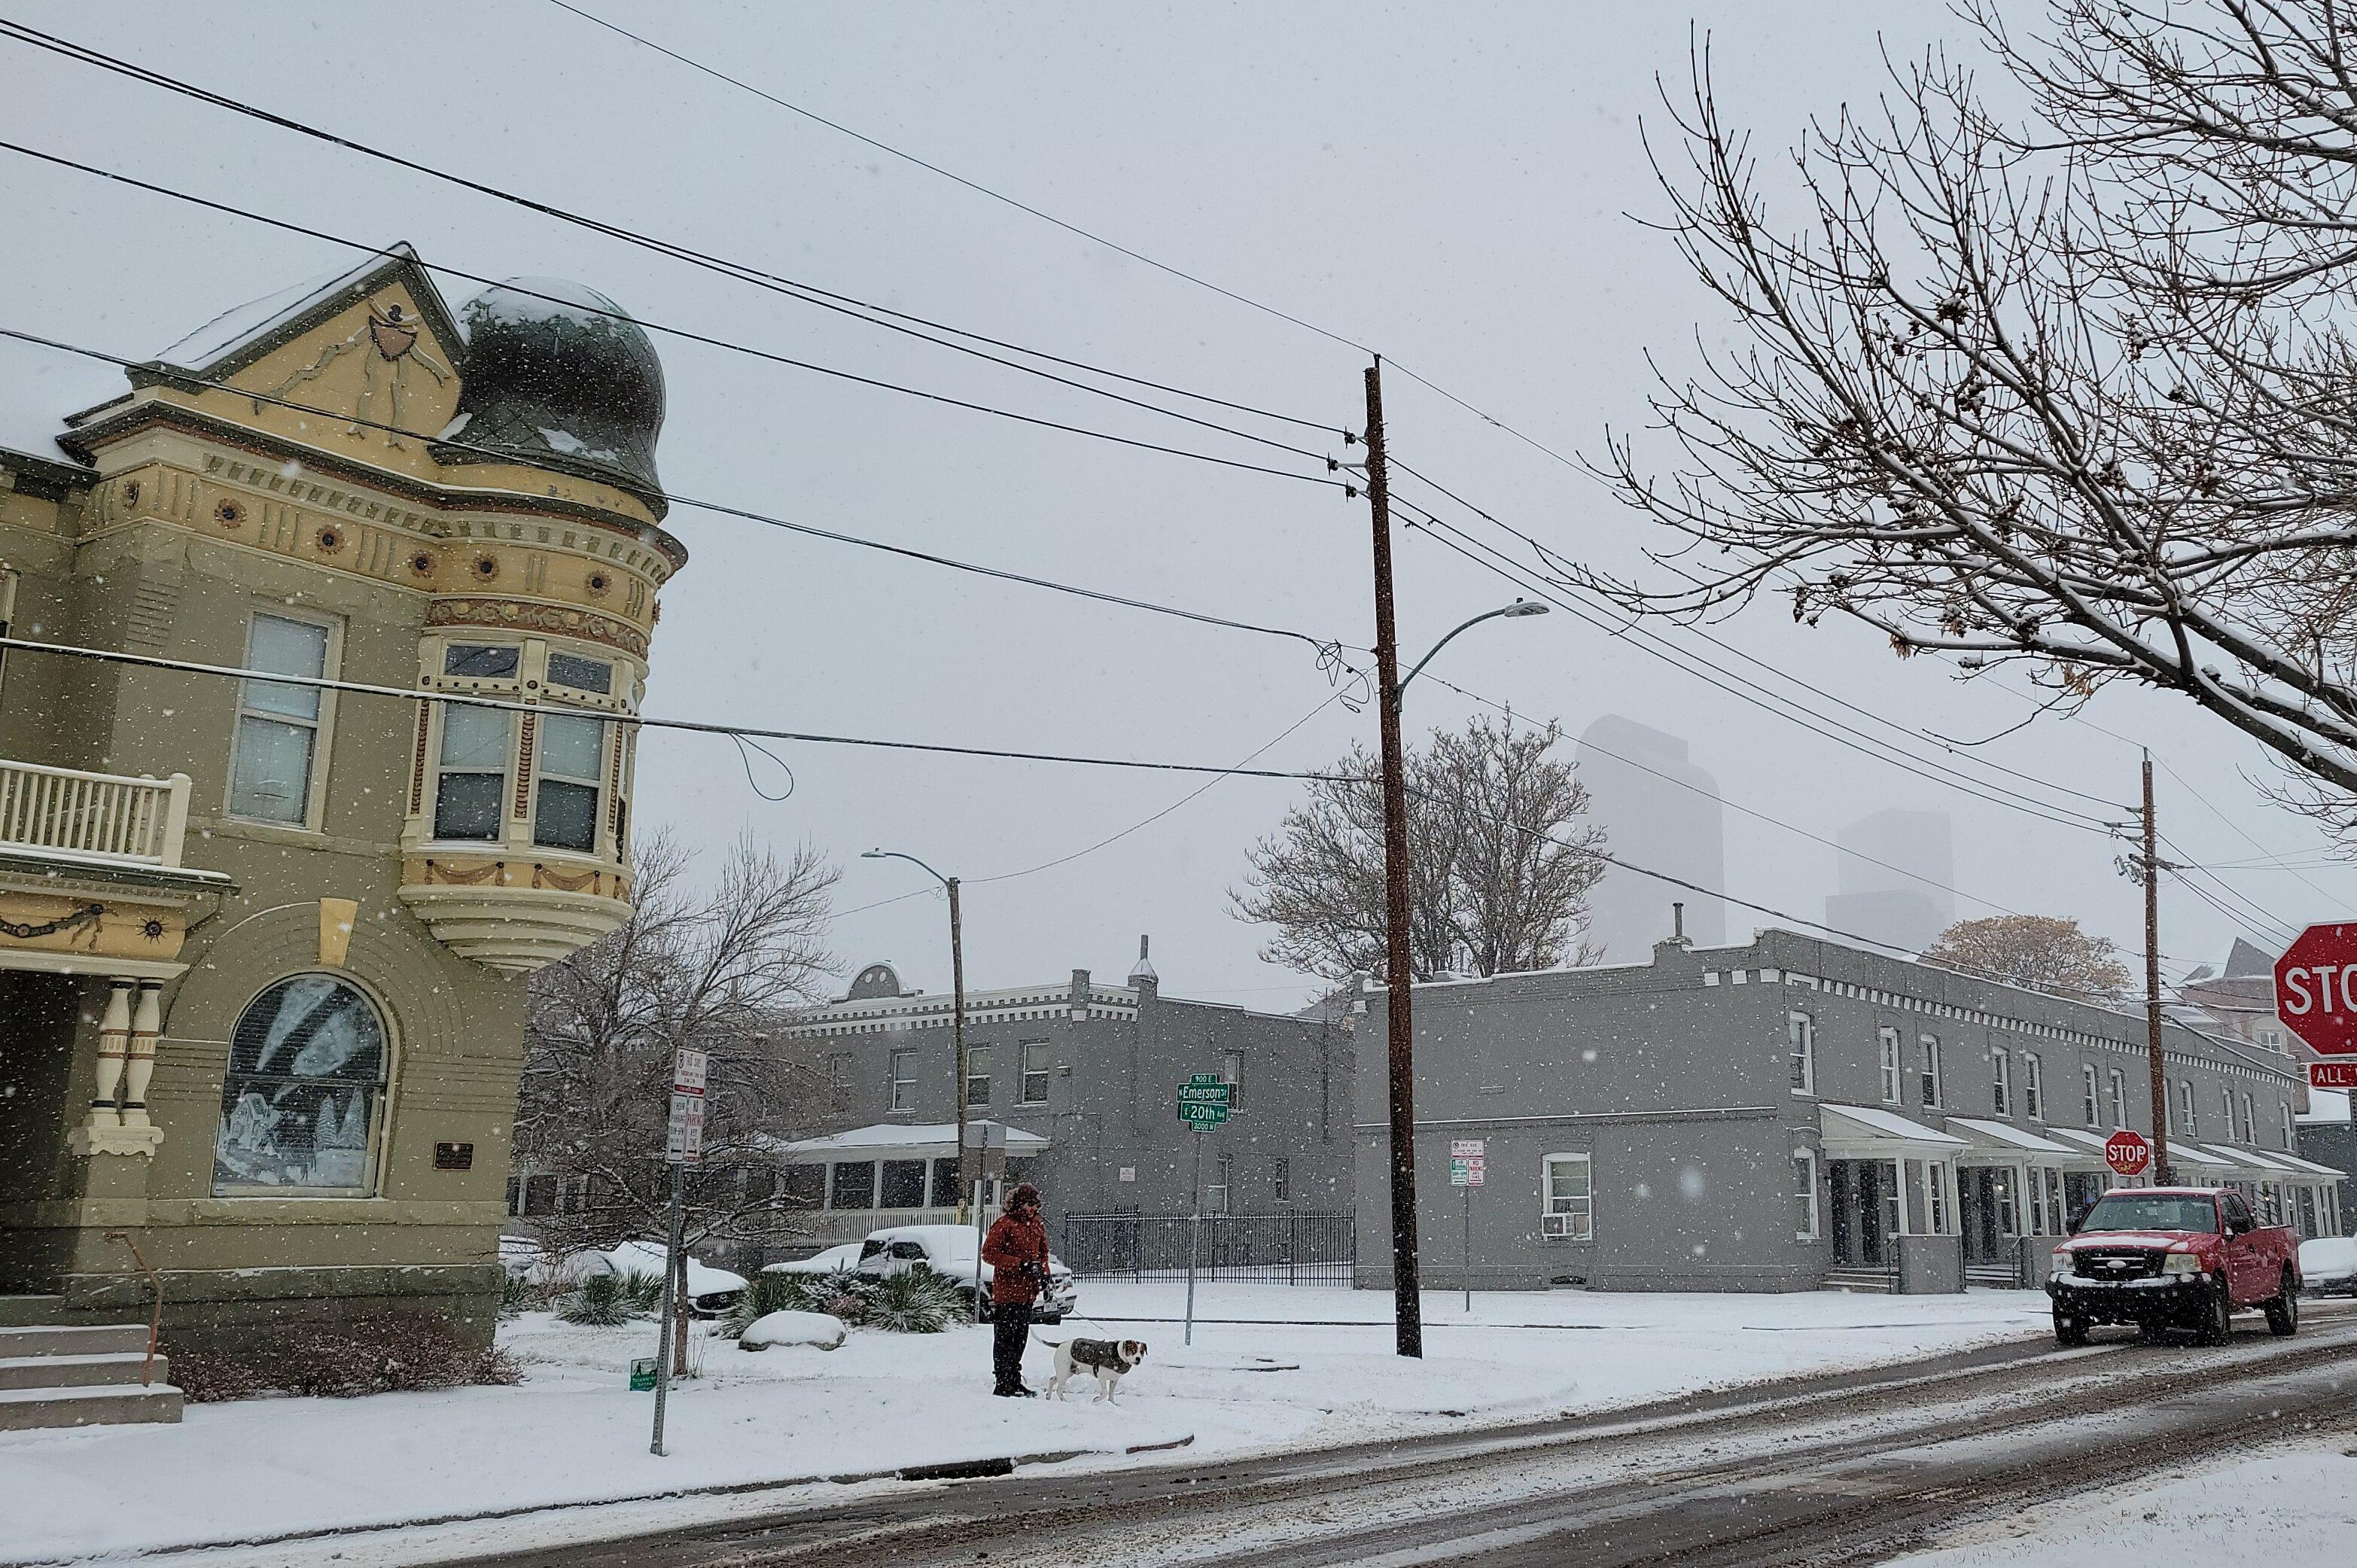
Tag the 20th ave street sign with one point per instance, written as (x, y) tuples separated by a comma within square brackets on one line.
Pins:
[(2316, 989), (1205, 1101)]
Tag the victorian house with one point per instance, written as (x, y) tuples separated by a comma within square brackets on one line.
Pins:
[(265, 917)]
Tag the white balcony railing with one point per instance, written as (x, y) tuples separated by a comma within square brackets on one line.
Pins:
[(96, 816)]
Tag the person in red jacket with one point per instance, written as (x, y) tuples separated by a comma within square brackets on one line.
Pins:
[(1017, 1252)]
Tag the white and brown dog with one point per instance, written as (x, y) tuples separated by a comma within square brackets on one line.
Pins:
[(1107, 1360)]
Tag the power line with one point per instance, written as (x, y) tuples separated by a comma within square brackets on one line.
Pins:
[(642, 721), (740, 271), (1070, 228), (1329, 650), (1696, 666)]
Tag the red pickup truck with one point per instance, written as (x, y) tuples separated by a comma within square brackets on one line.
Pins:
[(2173, 1257)]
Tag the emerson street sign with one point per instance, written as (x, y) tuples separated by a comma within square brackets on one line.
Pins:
[(1205, 1101)]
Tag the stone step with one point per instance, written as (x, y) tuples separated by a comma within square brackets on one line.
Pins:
[(79, 1339), (114, 1367), (25, 1410), (30, 1310)]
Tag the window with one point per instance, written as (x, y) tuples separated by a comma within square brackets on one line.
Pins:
[(2093, 1117), (2116, 1089), (2033, 1087), (1800, 1040), (299, 1105), (1566, 1198), (473, 662), (1892, 1073), (1928, 1070), (2226, 1108), (2250, 1122), (1804, 1194), (2290, 1136), (8, 615), (1281, 1180), (2185, 1109), (571, 758), (473, 775), (851, 1184), (945, 1183), (2000, 1081), (978, 1075), (1216, 1200), (581, 674), (1935, 1197), (904, 1184), (278, 727), (1232, 1073), (1035, 1072), (904, 1080), (802, 1186), (2271, 1038)]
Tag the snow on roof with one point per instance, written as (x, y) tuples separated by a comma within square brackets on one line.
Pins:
[(232, 329), (1999, 1134), (897, 1136), (542, 299), (1879, 1124), (39, 387), (2095, 1140)]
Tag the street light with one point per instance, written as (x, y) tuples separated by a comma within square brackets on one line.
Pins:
[(957, 1007), (1515, 611), (1406, 1271)]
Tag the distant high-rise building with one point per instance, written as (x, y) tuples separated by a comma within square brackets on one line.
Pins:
[(1659, 811), (1892, 873)]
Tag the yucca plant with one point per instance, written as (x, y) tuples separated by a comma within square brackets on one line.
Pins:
[(516, 1295), (916, 1302), (763, 1294), (643, 1291), (599, 1301)]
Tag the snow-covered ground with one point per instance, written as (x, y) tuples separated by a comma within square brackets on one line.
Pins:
[(2288, 1506), (572, 1433)]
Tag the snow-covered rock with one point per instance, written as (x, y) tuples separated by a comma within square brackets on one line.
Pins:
[(792, 1328)]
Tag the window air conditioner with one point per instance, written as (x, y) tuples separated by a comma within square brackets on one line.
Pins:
[(1554, 1225)]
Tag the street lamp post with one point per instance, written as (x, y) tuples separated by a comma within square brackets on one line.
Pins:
[(957, 1008)]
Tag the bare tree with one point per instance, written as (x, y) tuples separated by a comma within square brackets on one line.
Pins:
[(1501, 859), (2072, 394), (2038, 952), (719, 969)]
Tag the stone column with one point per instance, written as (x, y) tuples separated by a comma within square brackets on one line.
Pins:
[(114, 1053), (146, 1026)]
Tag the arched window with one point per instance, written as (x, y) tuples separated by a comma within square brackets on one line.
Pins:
[(300, 1105)]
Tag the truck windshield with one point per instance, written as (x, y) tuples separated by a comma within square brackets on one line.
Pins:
[(2151, 1211)]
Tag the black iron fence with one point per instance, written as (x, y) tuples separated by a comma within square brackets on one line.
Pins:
[(1300, 1249)]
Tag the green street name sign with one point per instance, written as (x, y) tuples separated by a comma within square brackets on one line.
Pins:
[(1204, 1101)]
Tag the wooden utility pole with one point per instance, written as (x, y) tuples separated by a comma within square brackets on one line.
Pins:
[(1406, 1285), (2162, 1175)]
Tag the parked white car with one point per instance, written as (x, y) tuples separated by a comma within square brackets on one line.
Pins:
[(711, 1291), (2328, 1266), (834, 1260), (951, 1250)]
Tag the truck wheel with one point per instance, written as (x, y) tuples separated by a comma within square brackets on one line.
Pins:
[(2216, 1324), (2283, 1313), (2069, 1332)]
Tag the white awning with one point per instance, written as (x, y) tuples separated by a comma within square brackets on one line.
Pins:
[(890, 1140), (1869, 1132), (2086, 1147), (2293, 1168), (2237, 1162), (1993, 1141)]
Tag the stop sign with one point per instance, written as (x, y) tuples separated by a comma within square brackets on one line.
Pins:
[(2316, 989), (2127, 1152)]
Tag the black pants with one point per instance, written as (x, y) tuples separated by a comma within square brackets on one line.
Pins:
[(1010, 1330)]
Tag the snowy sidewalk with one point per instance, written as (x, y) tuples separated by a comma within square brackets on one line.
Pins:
[(574, 1434)]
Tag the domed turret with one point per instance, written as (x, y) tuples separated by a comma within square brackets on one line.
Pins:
[(559, 376)]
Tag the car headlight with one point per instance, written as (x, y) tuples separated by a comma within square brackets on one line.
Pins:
[(2181, 1263), (2060, 1266)]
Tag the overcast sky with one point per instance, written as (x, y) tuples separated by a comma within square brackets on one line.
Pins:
[(1451, 184)]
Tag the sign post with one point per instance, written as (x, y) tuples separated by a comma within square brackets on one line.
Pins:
[(2129, 1154), (1204, 1103), (682, 1147), (1467, 1159), (982, 1148)]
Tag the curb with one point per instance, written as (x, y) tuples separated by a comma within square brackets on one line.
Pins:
[(954, 1470)]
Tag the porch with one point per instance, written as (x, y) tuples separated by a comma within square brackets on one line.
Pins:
[(846, 1184), (1891, 1200)]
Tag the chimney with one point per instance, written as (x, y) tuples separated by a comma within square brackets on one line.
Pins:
[(1678, 924), (1141, 974)]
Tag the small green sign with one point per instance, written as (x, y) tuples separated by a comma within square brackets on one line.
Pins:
[(1203, 1118), (642, 1374), (1204, 1101)]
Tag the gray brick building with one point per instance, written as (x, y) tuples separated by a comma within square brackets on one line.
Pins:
[(1092, 1069), (1793, 1112)]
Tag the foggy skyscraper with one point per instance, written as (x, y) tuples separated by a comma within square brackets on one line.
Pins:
[(1902, 906), (1660, 810)]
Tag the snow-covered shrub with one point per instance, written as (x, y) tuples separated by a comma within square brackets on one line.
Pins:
[(763, 1294), (517, 1294), (917, 1301), (387, 1354), (643, 1291), (813, 1328), (599, 1301)]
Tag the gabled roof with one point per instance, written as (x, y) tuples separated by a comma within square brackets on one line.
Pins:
[(236, 338)]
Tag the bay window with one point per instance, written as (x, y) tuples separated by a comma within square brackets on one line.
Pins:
[(572, 755), (471, 780)]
